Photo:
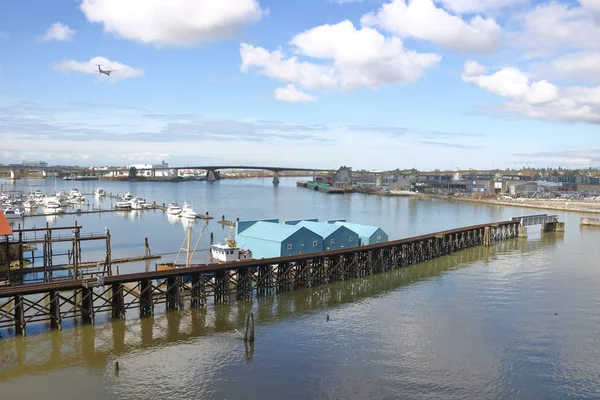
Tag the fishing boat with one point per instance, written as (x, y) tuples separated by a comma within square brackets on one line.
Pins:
[(174, 209), (188, 212), (187, 249), (99, 192), (228, 251)]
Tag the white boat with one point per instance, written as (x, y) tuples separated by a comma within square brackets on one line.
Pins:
[(30, 204), (137, 203), (228, 251), (174, 209), (12, 213), (52, 206), (188, 212), (127, 196), (99, 192), (122, 205), (38, 195)]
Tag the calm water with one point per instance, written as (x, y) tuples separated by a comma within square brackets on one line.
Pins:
[(518, 320)]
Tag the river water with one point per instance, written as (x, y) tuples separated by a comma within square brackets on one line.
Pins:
[(519, 320)]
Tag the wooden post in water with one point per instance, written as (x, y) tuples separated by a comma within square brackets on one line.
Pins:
[(147, 247), (251, 327)]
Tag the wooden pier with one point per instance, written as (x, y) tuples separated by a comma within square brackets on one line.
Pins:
[(118, 295)]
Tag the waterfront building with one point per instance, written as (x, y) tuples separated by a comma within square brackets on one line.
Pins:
[(521, 187), (296, 221), (335, 237), (366, 233), (272, 239)]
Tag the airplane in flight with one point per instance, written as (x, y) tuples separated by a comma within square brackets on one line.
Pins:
[(105, 72)]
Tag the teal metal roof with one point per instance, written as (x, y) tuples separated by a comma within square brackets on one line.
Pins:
[(270, 231), (320, 228), (361, 230)]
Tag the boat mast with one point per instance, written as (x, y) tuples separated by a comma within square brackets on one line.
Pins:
[(187, 254)]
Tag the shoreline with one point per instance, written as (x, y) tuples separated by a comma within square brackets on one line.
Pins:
[(571, 206)]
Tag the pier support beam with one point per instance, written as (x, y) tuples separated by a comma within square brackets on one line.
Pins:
[(146, 303), (117, 301), (87, 305), (55, 317), (173, 301), (522, 231), (19, 315), (197, 292), (275, 178)]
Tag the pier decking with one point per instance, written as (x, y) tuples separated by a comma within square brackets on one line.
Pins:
[(52, 302)]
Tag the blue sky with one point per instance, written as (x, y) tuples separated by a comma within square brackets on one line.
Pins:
[(316, 83)]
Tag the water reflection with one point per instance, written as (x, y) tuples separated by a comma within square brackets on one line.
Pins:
[(103, 341)]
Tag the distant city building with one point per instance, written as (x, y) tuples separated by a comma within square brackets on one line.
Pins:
[(35, 164), (153, 170)]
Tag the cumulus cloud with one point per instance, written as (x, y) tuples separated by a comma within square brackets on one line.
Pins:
[(480, 6), (552, 27), (292, 95), (59, 32), (539, 99), (349, 59), (591, 4), (90, 67), (581, 66), (173, 22), (421, 19)]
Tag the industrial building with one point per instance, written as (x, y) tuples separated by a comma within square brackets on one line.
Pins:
[(367, 234), (521, 187), (334, 237), (270, 239)]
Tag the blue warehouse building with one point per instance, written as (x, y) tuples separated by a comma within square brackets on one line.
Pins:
[(269, 239), (368, 234), (334, 237)]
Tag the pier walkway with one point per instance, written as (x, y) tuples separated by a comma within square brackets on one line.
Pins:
[(118, 295)]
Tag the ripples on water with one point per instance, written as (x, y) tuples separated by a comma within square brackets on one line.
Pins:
[(518, 320)]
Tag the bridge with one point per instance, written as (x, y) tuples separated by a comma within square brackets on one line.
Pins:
[(54, 301), (211, 170)]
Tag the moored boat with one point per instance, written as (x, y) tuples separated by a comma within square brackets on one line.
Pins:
[(122, 205), (127, 196), (188, 212), (99, 192), (229, 251), (174, 209)]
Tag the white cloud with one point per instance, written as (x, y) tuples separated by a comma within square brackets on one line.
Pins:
[(90, 67), (552, 27), (351, 59), (172, 22), (421, 19), (291, 94), (58, 31), (591, 4), (540, 99), (482, 6), (581, 66)]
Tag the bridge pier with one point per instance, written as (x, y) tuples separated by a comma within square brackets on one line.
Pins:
[(553, 227), (522, 231), (275, 178), (211, 175)]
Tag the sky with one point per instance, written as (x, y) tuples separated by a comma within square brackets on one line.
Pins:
[(301, 83)]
